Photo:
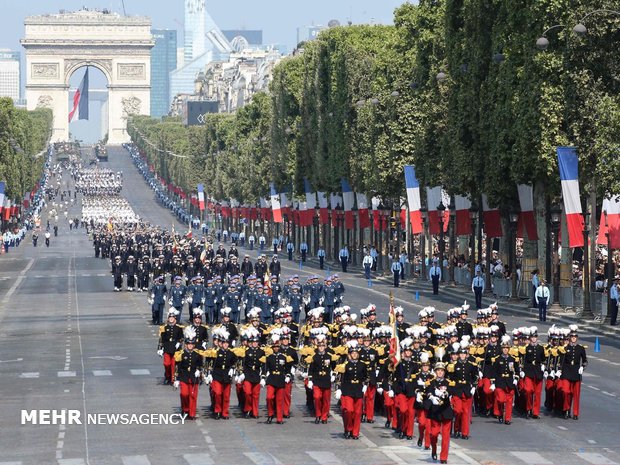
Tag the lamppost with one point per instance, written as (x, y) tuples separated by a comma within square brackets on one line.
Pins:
[(441, 208), (611, 272), (473, 216), (452, 230), (514, 219), (556, 218), (424, 212), (587, 309), (580, 29)]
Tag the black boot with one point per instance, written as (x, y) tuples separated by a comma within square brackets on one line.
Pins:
[(269, 420)]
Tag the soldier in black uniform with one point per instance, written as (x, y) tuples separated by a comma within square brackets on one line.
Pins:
[(532, 373), (464, 375), (353, 386), (189, 362), (251, 373), (573, 363), (320, 379), (440, 413), (170, 339), (117, 272), (464, 327), (202, 332), (505, 382), (221, 364), (276, 375)]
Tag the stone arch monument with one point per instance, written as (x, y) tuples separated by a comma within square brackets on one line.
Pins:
[(119, 46)]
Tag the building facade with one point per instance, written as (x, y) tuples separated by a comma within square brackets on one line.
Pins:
[(10, 82), (163, 62), (305, 33)]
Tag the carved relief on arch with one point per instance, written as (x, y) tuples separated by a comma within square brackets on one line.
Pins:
[(71, 64)]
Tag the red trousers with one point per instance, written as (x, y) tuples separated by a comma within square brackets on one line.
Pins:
[(503, 399), (322, 400), (169, 365), (251, 392), (390, 409), (239, 391), (406, 413), (221, 397), (275, 402), (571, 390), (488, 395), (532, 389), (288, 397), (424, 427), (369, 402), (189, 397), (351, 414), (441, 427), (462, 413)]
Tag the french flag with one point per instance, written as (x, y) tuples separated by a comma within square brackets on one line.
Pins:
[(334, 201), (323, 208), (492, 219), (310, 202), (463, 222), (201, 197), (413, 199), (348, 197), (362, 211), (265, 208), (2, 189), (6, 213), (569, 175), (275, 204), (434, 197), (611, 208), (526, 217), (376, 214), (285, 205), (80, 100)]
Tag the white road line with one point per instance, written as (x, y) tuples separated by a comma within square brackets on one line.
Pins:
[(589, 375), (140, 372), (324, 457), (136, 460), (196, 459), (262, 459), (18, 281), (563, 428), (66, 374), (30, 374), (466, 458), (71, 462), (591, 441), (10, 463), (609, 393), (594, 458), (532, 458), (102, 373), (594, 387)]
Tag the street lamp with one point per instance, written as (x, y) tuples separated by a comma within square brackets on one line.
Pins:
[(452, 230), (587, 309), (473, 216), (513, 216), (611, 272), (441, 76), (556, 218), (542, 43), (441, 208), (424, 212)]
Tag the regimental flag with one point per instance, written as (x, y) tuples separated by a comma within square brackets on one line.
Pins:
[(492, 219), (362, 211), (275, 204), (434, 197), (569, 174), (323, 208), (413, 199), (80, 100), (526, 217), (394, 344), (611, 208), (348, 198), (201, 197), (463, 222)]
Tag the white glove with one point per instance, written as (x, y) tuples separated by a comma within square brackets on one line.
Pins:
[(304, 375), (581, 370), (364, 389), (473, 391), (543, 367), (292, 371), (231, 372), (480, 374), (439, 392), (515, 382), (149, 301), (234, 343), (152, 296), (310, 384), (558, 373), (379, 390), (377, 372), (287, 379), (545, 375), (390, 393), (420, 382), (241, 377), (202, 300), (434, 400), (262, 382), (522, 374), (208, 379), (204, 345), (333, 378), (176, 384), (338, 394), (236, 380), (160, 352), (419, 398), (492, 387), (177, 345), (552, 374)]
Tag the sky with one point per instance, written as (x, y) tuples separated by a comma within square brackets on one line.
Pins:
[(278, 19)]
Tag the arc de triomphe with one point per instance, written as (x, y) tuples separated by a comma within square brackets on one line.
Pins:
[(58, 44)]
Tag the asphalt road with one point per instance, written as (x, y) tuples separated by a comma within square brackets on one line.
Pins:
[(68, 342)]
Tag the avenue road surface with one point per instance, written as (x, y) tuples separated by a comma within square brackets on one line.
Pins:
[(68, 342)]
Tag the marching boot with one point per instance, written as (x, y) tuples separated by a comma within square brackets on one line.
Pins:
[(269, 420)]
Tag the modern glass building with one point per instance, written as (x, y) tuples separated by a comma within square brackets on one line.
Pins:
[(9, 74), (163, 62)]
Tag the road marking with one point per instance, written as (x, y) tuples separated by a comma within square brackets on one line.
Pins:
[(589, 375), (597, 459), (594, 387), (533, 458), (71, 462), (140, 372), (591, 441), (66, 374), (563, 428), (102, 373), (110, 357), (10, 463), (9, 361), (324, 457), (18, 281), (30, 374), (135, 460), (262, 459), (197, 459), (609, 393)]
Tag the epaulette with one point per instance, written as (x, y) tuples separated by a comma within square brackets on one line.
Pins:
[(239, 351), (335, 357), (307, 350), (340, 368), (263, 359), (289, 359), (450, 368), (210, 353), (268, 350), (451, 383), (309, 359)]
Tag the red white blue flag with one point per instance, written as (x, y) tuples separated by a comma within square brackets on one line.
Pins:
[(275, 204), (569, 175), (413, 199), (80, 100), (201, 196)]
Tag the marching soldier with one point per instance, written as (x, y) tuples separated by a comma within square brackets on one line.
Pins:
[(464, 375), (188, 364), (404, 387), (505, 382), (158, 300), (221, 369), (170, 339), (276, 376), (117, 273), (574, 361), (437, 402), (532, 374), (320, 378), (177, 296), (353, 378), (251, 372)]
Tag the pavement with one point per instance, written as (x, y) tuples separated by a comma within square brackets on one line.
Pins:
[(68, 342)]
